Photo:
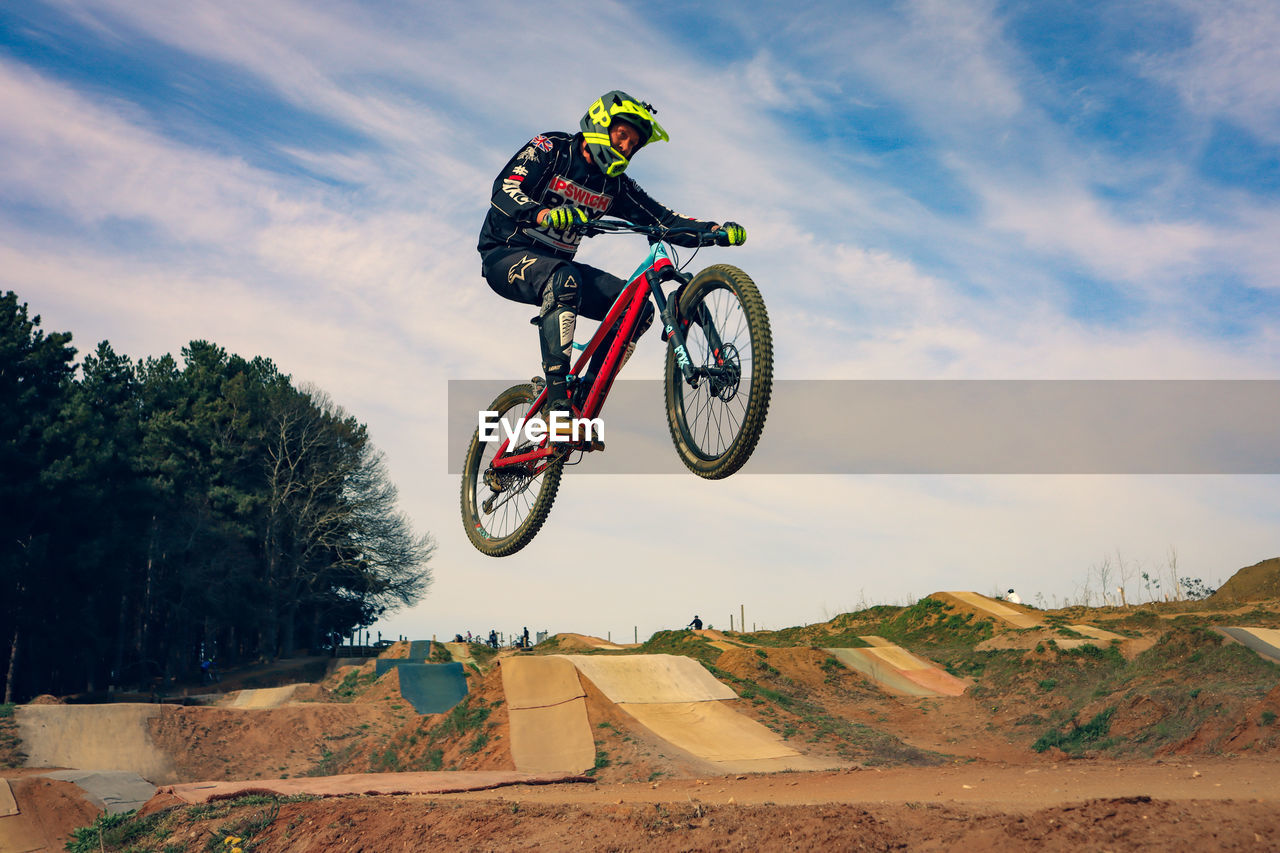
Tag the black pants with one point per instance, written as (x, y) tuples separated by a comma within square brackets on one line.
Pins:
[(523, 276)]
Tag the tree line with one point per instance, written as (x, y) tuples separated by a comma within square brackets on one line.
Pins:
[(155, 512)]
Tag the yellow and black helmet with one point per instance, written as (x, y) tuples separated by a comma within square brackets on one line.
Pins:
[(617, 106)]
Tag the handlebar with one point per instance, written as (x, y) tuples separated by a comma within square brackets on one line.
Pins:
[(619, 226)]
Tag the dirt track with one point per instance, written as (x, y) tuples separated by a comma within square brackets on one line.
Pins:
[(1190, 761), (769, 814)]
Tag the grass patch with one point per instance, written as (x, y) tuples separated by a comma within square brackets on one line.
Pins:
[(1190, 673), (11, 754), (242, 818), (785, 707), (110, 832), (353, 684), (423, 748), (684, 643), (478, 743), (602, 761), (1076, 739), (332, 762), (482, 653), (462, 718)]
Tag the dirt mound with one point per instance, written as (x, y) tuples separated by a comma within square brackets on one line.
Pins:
[(506, 821), (1258, 582), (46, 699), (385, 689), (473, 735), (1130, 647), (48, 811), (398, 650), (311, 693), (1259, 729), (272, 743), (822, 707), (583, 642), (1253, 731)]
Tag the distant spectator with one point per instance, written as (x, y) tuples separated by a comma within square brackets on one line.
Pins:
[(696, 624), (1013, 596), (493, 639), (209, 671), (457, 638), (524, 638)]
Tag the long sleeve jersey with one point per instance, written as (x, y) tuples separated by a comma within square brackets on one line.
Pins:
[(551, 171)]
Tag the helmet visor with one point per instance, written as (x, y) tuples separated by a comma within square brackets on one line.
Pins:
[(636, 115)]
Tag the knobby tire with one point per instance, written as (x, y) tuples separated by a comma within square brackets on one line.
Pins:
[(488, 532), (699, 421)]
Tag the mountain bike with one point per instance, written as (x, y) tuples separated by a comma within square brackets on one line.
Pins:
[(718, 378)]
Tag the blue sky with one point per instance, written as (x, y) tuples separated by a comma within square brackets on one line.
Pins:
[(933, 189)]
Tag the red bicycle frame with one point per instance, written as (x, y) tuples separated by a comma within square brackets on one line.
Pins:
[(659, 266)]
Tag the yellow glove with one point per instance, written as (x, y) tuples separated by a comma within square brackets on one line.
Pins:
[(565, 217), (731, 234)]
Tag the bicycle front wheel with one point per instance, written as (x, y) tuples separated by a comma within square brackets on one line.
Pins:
[(716, 423), (504, 508)]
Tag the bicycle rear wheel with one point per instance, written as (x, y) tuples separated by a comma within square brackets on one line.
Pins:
[(504, 508), (716, 425)]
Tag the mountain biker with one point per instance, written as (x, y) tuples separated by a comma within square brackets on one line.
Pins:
[(553, 186)]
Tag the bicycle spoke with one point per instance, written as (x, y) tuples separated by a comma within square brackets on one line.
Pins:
[(714, 423)]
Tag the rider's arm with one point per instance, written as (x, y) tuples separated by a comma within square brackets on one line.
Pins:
[(638, 206), (525, 170)]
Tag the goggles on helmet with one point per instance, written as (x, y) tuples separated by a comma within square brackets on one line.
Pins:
[(617, 106)]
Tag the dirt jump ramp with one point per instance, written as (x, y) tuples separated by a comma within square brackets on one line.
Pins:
[(431, 688), (1264, 641), (265, 697), (677, 700), (997, 610), (898, 671), (547, 708), (94, 737)]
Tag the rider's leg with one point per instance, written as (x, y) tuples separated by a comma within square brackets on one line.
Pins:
[(557, 319), (553, 285)]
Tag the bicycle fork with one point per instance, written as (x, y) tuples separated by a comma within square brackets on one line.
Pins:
[(674, 334)]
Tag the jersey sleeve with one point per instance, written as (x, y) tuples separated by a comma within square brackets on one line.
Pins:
[(523, 170), (641, 208)]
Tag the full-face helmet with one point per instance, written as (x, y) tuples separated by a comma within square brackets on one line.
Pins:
[(617, 106)]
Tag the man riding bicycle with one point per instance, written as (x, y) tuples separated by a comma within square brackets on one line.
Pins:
[(543, 197)]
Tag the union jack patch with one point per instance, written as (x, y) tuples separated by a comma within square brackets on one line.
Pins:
[(541, 143)]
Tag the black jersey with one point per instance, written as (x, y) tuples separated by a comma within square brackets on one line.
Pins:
[(551, 171)]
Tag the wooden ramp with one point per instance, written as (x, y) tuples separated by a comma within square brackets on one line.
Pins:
[(547, 707)]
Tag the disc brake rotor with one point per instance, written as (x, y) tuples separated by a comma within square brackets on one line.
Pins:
[(728, 373)]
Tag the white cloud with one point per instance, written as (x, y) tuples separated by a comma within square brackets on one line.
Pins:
[(1229, 69), (371, 289)]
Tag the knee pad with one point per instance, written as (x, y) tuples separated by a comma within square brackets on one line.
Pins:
[(558, 319), (561, 290)]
